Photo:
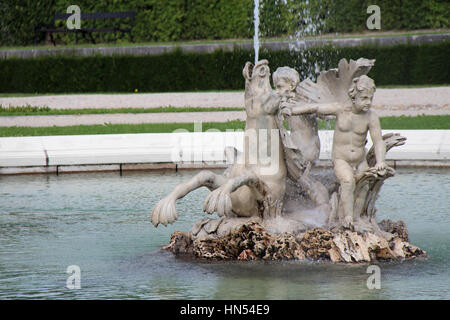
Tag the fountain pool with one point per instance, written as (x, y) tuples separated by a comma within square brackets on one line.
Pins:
[(100, 222)]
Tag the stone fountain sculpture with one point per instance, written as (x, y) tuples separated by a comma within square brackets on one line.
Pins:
[(270, 204)]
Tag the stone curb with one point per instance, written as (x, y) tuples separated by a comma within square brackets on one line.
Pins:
[(208, 48), (121, 168)]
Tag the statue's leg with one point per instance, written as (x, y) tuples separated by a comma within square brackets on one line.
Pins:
[(220, 200), (165, 211), (344, 174)]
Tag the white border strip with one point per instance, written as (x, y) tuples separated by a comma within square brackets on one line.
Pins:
[(182, 148)]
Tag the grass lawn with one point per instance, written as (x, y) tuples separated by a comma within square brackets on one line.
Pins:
[(115, 129), (406, 123), (416, 123), (46, 111)]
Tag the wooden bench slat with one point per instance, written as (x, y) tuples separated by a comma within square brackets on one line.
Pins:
[(111, 29), (97, 15), (91, 16)]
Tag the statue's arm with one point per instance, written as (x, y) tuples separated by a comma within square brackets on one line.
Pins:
[(377, 139), (272, 104), (319, 108)]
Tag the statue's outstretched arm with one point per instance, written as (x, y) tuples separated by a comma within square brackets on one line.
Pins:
[(320, 108)]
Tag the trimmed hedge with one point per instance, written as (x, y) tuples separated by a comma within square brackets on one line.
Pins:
[(172, 20), (178, 71)]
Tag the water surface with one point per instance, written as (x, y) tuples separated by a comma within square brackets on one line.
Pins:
[(100, 222)]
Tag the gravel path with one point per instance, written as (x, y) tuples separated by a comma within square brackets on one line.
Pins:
[(436, 96), (388, 102), (139, 100)]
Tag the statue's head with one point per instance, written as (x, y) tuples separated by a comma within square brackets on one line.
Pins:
[(361, 93), (285, 80), (258, 75)]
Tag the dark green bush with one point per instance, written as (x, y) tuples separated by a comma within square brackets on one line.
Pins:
[(18, 19), (172, 20), (220, 70), (351, 15)]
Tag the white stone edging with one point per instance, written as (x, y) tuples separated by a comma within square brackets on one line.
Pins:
[(112, 152)]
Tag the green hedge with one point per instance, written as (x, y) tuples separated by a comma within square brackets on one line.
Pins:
[(172, 20), (178, 71), (351, 15)]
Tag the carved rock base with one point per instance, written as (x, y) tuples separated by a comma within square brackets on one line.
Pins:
[(251, 241)]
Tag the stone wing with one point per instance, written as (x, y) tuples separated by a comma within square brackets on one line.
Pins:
[(332, 85)]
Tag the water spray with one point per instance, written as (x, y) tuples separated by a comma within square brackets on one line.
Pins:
[(256, 36)]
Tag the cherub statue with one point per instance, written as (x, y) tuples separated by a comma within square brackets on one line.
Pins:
[(301, 144), (304, 130), (354, 119)]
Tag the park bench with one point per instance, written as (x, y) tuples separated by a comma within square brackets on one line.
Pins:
[(123, 23)]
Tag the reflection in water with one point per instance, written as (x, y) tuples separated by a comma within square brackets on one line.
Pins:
[(100, 222), (293, 280)]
